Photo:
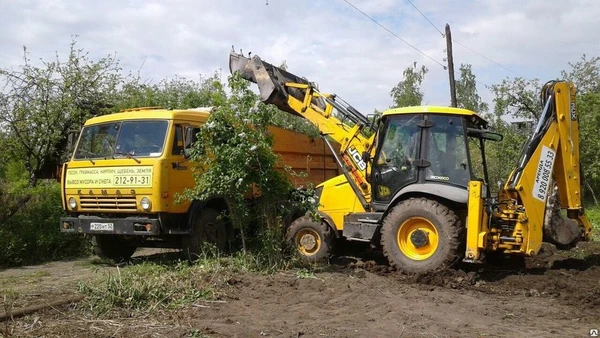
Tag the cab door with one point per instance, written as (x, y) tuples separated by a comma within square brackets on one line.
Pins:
[(394, 163), (179, 165)]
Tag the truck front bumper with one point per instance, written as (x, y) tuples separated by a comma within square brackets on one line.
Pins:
[(142, 226)]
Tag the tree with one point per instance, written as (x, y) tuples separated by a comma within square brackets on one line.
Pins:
[(234, 150), (39, 105), (466, 91), (518, 98), (408, 91), (177, 93), (585, 74)]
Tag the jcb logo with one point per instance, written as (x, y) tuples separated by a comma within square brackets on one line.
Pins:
[(357, 158)]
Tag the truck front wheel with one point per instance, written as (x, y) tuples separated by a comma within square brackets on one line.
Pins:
[(114, 247), (421, 235), (207, 226)]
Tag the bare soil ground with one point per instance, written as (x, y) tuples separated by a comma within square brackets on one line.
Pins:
[(556, 295)]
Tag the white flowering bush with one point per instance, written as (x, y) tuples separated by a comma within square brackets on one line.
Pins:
[(233, 154)]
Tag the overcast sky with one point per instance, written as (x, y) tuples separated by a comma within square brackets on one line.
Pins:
[(328, 42)]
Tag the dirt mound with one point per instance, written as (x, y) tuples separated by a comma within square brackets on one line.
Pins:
[(571, 277)]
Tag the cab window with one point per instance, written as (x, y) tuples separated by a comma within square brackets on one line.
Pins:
[(447, 151), (183, 144)]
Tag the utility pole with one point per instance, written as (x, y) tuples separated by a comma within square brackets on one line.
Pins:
[(450, 67)]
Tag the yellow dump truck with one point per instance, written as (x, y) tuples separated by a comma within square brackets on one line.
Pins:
[(127, 169)]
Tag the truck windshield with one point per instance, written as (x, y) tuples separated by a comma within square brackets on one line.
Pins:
[(120, 139)]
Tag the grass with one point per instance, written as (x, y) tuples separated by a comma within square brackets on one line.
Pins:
[(145, 286), (149, 286), (26, 278), (593, 214)]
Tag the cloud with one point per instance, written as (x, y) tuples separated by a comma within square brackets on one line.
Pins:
[(328, 42)]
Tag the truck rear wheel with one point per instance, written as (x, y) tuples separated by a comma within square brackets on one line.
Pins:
[(421, 235), (207, 228), (114, 247), (312, 240)]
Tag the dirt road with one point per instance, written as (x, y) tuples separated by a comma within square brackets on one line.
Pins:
[(557, 295)]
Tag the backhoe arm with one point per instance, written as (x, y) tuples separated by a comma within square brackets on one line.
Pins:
[(552, 152), (299, 97)]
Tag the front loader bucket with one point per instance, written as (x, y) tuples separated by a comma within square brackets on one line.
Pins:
[(271, 80)]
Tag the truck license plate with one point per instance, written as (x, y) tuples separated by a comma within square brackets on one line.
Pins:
[(102, 226)]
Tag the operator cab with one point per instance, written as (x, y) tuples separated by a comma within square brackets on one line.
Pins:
[(434, 147)]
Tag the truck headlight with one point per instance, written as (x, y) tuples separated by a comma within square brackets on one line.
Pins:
[(145, 203), (72, 203)]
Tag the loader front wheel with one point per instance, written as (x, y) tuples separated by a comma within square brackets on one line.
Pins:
[(421, 235), (312, 240)]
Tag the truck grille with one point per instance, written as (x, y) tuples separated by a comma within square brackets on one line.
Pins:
[(112, 203)]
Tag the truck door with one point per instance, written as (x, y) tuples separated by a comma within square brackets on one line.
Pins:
[(180, 167)]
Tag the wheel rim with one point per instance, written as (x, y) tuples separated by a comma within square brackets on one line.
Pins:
[(308, 242), (417, 238)]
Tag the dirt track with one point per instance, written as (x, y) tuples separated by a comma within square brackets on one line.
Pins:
[(557, 295)]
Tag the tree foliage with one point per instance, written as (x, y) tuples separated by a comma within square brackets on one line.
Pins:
[(234, 156), (466, 91), (40, 104), (408, 91), (177, 93)]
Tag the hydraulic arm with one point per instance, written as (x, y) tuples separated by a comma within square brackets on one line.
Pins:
[(333, 117)]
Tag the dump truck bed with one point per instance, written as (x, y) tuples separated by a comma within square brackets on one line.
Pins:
[(305, 154)]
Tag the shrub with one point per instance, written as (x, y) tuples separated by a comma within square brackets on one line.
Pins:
[(33, 236)]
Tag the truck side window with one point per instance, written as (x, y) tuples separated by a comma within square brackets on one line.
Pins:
[(178, 141), (190, 138)]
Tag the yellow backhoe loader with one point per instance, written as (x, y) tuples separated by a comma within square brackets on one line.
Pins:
[(415, 180)]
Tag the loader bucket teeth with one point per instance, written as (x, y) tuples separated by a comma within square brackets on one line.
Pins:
[(271, 80)]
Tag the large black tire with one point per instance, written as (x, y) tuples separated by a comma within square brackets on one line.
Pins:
[(114, 247), (207, 226), (435, 229), (313, 241)]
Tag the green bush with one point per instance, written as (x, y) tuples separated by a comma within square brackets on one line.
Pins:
[(33, 236), (593, 214)]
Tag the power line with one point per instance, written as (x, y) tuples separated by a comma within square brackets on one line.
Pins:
[(457, 42), (394, 34), (426, 18), (485, 57)]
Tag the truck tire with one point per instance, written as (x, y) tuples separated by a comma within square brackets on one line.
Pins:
[(420, 235), (313, 241), (113, 247), (206, 227)]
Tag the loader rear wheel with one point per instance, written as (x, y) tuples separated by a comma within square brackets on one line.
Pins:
[(113, 247), (207, 227), (312, 240), (421, 235)]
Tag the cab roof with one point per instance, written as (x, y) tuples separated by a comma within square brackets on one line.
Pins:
[(429, 109), (145, 113), (435, 110)]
